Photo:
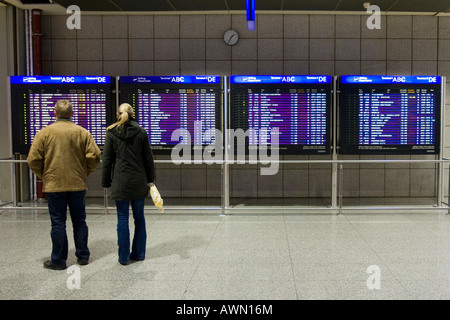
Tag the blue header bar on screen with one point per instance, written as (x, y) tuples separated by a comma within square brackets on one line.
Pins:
[(281, 79), (391, 79), (171, 79), (59, 79)]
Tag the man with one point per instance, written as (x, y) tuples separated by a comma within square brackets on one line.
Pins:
[(63, 154)]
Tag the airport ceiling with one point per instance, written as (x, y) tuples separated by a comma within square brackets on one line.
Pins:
[(186, 6)]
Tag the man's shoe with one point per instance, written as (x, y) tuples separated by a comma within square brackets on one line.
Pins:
[(53, 266), (136, 259), (82, 262)]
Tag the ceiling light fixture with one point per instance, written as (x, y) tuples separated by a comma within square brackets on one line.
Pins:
[(251, 15)]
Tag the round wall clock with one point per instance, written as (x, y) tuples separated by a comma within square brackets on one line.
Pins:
[(231, 37)]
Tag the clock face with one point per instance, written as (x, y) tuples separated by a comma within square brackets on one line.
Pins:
[(231, 37)]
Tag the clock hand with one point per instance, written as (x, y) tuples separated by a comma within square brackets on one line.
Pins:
[(231, 38)]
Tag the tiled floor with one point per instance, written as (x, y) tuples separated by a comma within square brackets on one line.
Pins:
[(206, 255)]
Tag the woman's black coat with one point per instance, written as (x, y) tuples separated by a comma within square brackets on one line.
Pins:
[(127, 162)]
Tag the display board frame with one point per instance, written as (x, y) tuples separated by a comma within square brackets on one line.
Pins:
[(384, 87), (62, 87), (130, 84), (238, 84)]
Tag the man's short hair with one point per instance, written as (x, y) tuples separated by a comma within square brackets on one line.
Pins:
[(63, 109)]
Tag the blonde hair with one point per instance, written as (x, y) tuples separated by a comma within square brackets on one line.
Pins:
[(63, 109), (125, 113)]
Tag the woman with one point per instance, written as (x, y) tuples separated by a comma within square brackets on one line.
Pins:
[(128, 168)]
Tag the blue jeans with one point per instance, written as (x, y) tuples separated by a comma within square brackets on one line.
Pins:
[(57, 207), (123, 230)]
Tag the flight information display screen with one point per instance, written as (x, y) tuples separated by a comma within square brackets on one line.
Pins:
[(175, 110), (33, 99), (390, 114), (295, 108)]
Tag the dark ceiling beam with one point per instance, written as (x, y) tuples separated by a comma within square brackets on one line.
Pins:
[(115, 5), (393, 5), (446, 10), (171, 5), (337, 5)]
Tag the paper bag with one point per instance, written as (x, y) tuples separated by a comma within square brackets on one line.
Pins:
[(156, 197)]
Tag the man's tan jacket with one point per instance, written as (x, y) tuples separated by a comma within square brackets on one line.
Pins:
[(63, 154)]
